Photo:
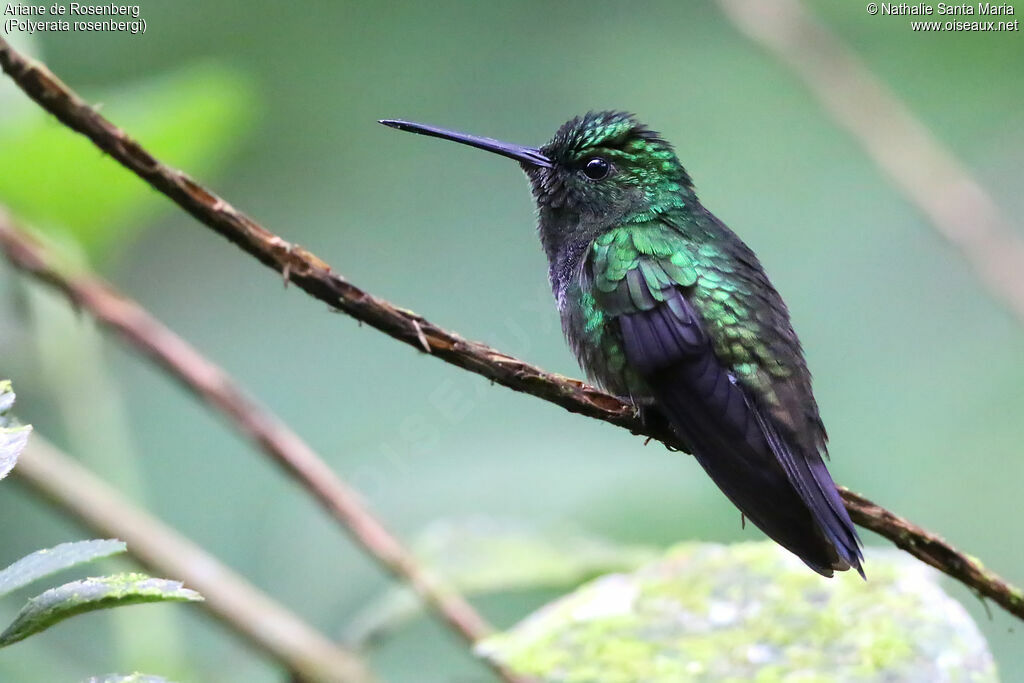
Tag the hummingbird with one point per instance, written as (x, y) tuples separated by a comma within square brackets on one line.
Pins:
[(665, 306)]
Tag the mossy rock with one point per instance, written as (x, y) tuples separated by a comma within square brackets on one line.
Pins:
[(750, 612)]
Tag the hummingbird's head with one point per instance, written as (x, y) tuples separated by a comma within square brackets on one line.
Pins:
[(603, 166), (608, 167), (600, 169)]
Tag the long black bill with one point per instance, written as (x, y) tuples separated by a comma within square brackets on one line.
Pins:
[(524, 155)]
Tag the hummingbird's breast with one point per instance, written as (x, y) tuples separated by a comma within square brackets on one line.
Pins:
[(590, 332)]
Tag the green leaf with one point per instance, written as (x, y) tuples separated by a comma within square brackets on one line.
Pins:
[(87, 595), (52, 560), (12, 443), (750, 611), (486, 555), (6, 398), (129, 678), (56, 179), (13, 437)]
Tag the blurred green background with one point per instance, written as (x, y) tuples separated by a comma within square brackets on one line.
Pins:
[(918, 372)]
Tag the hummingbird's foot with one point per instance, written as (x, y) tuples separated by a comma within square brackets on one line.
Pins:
[(638, 403), (653, 420)]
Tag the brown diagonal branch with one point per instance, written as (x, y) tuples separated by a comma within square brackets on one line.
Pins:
[(212, 385), (296, 646), (315, 277), (934, 550), (298, 265)]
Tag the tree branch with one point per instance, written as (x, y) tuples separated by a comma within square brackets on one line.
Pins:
[(260, 620), (316, 278), (213, 386), (928, 174), (295, 263), (934, 550)]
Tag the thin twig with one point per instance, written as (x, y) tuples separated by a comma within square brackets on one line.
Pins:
[(212, 385), (299, 648), (927, 173), (934, 550), (316, 278)]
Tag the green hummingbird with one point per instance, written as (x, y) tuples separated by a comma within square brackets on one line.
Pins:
[(666, 306)]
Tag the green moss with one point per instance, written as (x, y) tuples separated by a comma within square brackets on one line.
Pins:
[(749, 612)]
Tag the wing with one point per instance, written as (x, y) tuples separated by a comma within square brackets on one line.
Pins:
[(721, 383)]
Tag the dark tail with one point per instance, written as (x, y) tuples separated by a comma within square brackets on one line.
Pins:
[(786, 492), (790, 497)]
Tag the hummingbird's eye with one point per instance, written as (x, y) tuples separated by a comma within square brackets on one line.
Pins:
[(597, 168)]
